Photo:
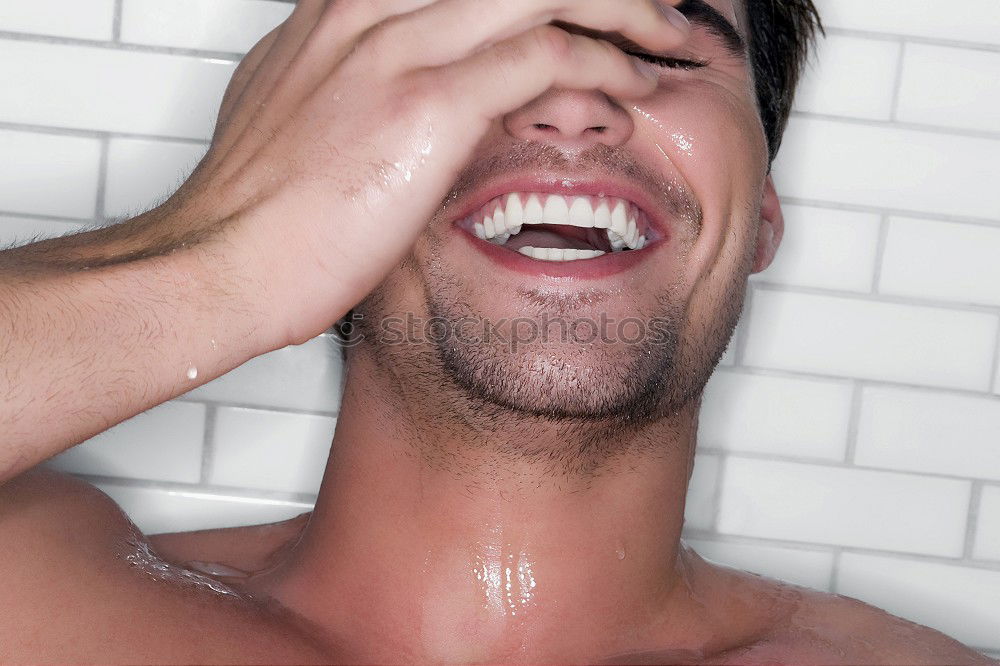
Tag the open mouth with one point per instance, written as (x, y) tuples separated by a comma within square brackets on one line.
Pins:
[(557, 228)]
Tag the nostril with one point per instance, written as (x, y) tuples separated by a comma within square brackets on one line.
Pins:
[(543, 127), (599, 130)]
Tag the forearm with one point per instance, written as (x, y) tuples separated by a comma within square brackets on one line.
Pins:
[(99, 327)]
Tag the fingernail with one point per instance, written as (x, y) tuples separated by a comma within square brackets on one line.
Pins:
[(675, 17), (645, 68)]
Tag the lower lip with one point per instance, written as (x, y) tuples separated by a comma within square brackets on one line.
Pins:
[(584, 269)]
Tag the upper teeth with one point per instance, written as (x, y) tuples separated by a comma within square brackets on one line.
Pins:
[(505, 216)]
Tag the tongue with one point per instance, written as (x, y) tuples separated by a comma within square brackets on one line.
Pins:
[(557, 236)]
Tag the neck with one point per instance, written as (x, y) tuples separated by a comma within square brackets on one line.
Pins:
[(450, 552)]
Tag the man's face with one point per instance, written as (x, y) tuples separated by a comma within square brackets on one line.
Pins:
[(678, 177)]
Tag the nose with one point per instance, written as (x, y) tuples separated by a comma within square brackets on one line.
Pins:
[(572, 120)]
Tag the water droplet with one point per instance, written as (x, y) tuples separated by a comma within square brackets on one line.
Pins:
[(621, 552), (192, 373)]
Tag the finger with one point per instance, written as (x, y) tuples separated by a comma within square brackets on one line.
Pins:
[(418, 36), (268, 66), (505, 77), (241, 77)]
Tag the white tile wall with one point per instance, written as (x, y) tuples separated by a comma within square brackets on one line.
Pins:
[(786, 416), (929, 431), (20, 230), (827, 249), (220, 25), (304, 377), (852, 77), (839, 505), (82, 19), (270, 450), (111, 90), (870, 339), (977, 20), (143, 172), (887, 167), (699, 512), (951, 87), (163, 444), (987, 545), (960, 601), (811, 568), (34, 163), (826, 428), (156, 510), (944, 261)]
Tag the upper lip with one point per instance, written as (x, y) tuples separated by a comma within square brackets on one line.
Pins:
[(568, 185)]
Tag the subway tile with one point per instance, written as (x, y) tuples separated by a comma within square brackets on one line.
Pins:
[(213, 25), (871, 340), (81, 19), (942, 260), (111, 90), (950, 87), (810, 568), (163, 444), (825, 249), (156, 510), (959, 601), (977, 20), (887, 167), (843, 506), (927, 431), (777, 415), (270, 450), (305, 377), (46, 174), (24, 230), (142, 173), (850, 76), (699, 510), (987, 544)]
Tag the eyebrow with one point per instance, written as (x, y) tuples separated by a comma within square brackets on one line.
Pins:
[(701, 13)]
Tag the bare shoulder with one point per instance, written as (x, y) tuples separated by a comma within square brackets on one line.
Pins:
[(82, 584), (855, 632)]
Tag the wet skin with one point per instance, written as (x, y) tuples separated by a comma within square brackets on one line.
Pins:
[(454, 524), (81, 596)]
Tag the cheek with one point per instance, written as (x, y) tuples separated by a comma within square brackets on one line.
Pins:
[(714, 138)]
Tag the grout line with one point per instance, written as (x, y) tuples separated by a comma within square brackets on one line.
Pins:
[(916, 39), (897, 87), (971, 525), (96, 134), (741, 338), (208, 444), (890, 299), (255, 406), (117, 25), (894, 212), (48, 218), (717, 490), (897, 125), (839, 550), (840, 464), (994, 387), (854, 421), (102, 181), (247, 494), (835, 570), (228, 56), (880, 248)]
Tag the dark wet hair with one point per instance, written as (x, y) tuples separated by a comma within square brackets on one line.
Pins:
[(780, 35)]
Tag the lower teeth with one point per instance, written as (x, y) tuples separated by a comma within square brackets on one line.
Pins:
[(557, 254)]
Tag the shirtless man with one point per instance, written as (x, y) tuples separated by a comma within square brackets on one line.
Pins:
[(494, 494)]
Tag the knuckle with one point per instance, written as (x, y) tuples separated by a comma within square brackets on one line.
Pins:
[(554, 43)]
